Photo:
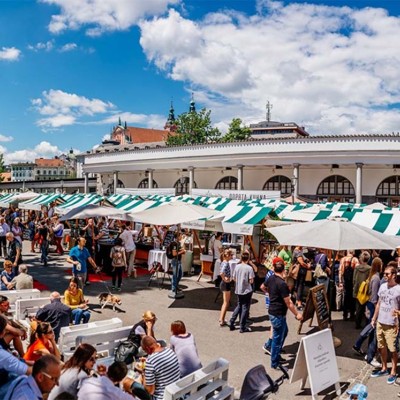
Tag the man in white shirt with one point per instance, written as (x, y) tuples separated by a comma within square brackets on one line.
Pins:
[(130, 248), (103, 387)]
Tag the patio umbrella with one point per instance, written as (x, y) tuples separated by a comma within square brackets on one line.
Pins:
[(333, 234), (93, 210), (172, 213)]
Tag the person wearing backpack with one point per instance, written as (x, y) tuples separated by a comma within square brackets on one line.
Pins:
[(346, 271), (361, 273), (176, 251), (118, 262)]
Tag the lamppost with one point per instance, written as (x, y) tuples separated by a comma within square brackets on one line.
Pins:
[(62, 186), (293, 185)]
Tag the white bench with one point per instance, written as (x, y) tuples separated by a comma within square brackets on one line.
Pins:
[(105, 342), (68, 334), (210, 382), (24, 308), (14, 295)]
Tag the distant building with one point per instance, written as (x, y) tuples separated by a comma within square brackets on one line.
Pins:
[(21, 172), (70, 163), (50, 169), (267, 129)]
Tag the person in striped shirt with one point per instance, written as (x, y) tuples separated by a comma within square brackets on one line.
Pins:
[(162, 367)]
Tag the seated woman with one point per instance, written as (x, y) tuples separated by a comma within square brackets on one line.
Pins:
[(10, 366), (184, 345), (145, 327), (78, 367), (7, 275), (73, 297), (42, 342)]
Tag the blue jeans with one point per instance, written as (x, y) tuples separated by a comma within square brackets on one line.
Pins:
[(176, 273), (242, 309), (78, 314), (369, 333), (44, 249), (323, 281), (280, 331)]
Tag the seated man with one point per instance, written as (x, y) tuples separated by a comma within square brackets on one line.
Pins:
[(45, 375), (162, 368), (14, 332), (56, 313), (10, 366), (22, 281), (104, 387)]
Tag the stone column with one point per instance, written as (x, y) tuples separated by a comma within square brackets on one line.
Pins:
[(296, 180), (150, 177), (191, 180), (359, 183), (240, 176), (115, 176), (86, 185)]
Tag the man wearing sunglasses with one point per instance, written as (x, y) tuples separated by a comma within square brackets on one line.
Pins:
[(387, 323), (45, 375)]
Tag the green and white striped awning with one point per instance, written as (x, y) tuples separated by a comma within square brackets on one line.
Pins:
[(78, 200), (42, 200), (5, 200), (116, 199)]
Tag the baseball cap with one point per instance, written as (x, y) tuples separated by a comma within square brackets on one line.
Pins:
[(278, 260), (360, 390)]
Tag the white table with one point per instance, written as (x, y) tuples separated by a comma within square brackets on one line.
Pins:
[(159, 256)]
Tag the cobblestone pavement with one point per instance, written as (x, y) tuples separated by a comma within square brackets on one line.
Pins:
[(199, 309)]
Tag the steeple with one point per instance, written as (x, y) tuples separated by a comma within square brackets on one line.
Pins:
[(125, 126), (170, 124), (192, 107), (119, 121)]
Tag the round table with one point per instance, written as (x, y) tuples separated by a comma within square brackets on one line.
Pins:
[(159, 256)]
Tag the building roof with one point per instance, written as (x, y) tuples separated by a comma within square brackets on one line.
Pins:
[(139, 135), (5, 177), (49, 162)]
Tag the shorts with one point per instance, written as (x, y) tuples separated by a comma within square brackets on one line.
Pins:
[(225, 286), (386, 336)]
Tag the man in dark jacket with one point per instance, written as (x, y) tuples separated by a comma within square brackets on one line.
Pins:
[(55, 313)]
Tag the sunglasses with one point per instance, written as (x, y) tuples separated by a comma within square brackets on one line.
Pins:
[(52, 378), (388, 273)]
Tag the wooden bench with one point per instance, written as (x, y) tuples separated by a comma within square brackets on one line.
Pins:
[(14, 295), (69, 334), (209, 382), (105, 342)]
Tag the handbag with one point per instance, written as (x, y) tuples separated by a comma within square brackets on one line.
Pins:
[(309, 276), (362, 294), (319, 272), (294, 270)]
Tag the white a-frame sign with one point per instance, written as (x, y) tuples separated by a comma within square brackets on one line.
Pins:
[(316, 360)]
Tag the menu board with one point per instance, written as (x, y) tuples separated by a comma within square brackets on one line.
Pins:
[(317, 303)]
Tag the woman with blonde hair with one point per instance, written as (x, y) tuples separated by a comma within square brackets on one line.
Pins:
[(145, 327), (225, 285)]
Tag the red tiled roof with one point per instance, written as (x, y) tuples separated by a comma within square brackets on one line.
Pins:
[(140, 135), (49, 162), (6, 176)]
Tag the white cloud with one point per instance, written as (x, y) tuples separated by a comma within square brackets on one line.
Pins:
[(332, 69), (155, 121), (61, 109), (4, 138), (9, 54), (42, 46), (43, 149), (103, 15), (68, 47)]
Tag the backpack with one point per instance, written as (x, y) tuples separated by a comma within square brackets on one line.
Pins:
[(170, 250), (363, 295), (118, 257), (126, 352)]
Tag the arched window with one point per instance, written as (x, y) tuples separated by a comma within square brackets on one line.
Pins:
[(279, 182), (110, 187), (335, 188), (228, 183), (144, 184), (389, 191), (182, 186)]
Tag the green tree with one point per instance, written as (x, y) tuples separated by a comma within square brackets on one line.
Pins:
[(194, 128), (2, 169), (237, 131)]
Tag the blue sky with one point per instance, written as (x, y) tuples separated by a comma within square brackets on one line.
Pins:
[(70, 68)]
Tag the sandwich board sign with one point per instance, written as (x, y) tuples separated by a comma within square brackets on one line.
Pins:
[(316, 360)]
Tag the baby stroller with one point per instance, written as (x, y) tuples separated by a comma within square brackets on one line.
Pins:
[(258, 384)]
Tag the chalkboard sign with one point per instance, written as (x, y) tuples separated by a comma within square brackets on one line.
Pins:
[(317, 302), (169, 237)]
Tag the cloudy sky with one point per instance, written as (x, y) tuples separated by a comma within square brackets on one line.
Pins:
[(70, 68)]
